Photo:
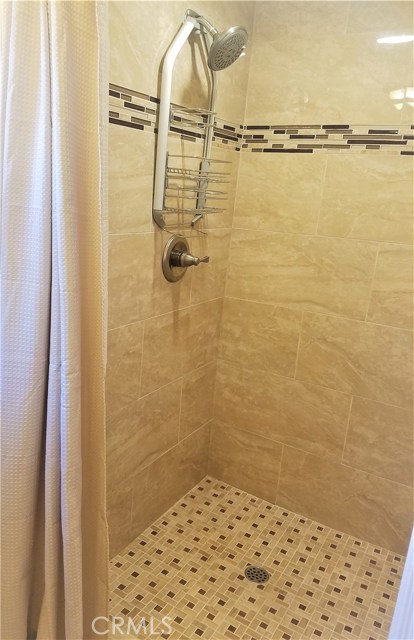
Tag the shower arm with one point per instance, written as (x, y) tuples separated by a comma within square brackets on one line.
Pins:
[(191, 21), (174, 49)]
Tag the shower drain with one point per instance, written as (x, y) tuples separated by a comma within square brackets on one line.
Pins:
[(256, 574)]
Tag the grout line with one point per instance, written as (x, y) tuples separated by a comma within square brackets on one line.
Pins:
[(179, 412), (347, 428), (205, 364), (310, 383), (176, 444), (376, 475), (323, 185), (166, 313), (298, 347), (282, 232), (319, 313), (280, 473), (142, 360), (372, 284), (209, 446)]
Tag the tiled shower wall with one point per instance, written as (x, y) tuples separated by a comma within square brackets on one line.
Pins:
[(162, 341), (314, 379)]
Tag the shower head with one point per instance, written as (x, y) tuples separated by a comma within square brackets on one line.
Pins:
[(226, 48)]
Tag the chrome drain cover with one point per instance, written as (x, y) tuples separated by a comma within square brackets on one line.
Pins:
[(256, 574)]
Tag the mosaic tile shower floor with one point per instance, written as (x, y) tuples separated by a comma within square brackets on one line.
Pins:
[(189, 566)]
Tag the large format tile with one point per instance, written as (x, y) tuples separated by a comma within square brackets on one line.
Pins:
[(279, 192), (288, 411), (360, 358), (209, 279), (197, 399), (158, 486), (292, 92), (176, 343), (130, 179), (137, 287), (245, 459), (383, 18), (392, 289), (368, 196), (142, 431), (380, 440), (273, 19), (307, 273), (123, 280), (358, 503), (123, 370), (119, 513), (260, 336)]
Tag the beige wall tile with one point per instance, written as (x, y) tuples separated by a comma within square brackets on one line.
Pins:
[(383, 18), (283, 87), (392, 289), (130, 179), (365, 359), (197, 399), (279, 193), (273, 19), (176, 343), (119, 513), (245, 460), (288, 411), (306, 273), (380, 440), (209, 280), (123, 280), (367, 196), (260, 336), (368, 507), (123, 370), (157, 487), (137, 287), (142, 431)]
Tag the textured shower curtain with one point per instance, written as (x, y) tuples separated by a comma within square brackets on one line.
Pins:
[(53, 318)]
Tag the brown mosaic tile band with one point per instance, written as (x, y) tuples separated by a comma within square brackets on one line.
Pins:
[(130, 108), (189, 566)]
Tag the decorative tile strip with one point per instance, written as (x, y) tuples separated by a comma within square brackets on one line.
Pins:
[(129, 108), (137, 110), (328, 138)]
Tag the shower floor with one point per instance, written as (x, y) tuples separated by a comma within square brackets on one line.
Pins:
[(189, 566)]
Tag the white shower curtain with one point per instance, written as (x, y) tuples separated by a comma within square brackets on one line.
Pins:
[(53, 318)]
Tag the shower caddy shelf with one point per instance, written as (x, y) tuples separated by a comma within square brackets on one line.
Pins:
[(185, 195)]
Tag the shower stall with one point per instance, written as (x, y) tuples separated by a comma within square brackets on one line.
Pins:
[(259, 425)]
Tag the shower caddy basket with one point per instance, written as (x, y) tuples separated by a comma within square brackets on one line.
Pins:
[(186, 188)]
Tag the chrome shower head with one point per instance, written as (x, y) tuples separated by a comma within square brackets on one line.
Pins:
[(226, 48)]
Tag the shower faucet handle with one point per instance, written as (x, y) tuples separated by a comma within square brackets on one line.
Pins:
[(177, 257), (185, 259)]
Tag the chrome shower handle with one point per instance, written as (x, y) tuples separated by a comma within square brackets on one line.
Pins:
[(185, 259), (177, 257)]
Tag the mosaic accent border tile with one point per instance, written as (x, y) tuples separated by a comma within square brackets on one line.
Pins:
[(137, 110), (189, 566), (328, 137)]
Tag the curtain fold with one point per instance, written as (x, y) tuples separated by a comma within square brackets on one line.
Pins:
[(53, 325)]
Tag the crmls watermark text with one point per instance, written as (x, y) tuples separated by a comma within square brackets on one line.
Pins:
[(118, 626)]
